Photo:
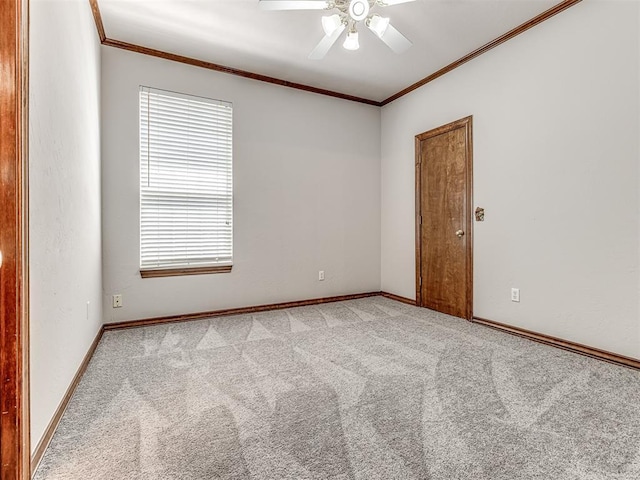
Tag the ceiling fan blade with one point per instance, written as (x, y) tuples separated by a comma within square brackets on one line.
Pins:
[(395, 40), (326, 43), (293, 4), (387, 3)]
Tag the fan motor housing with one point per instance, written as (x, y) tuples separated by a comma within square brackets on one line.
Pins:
[(358, 9)]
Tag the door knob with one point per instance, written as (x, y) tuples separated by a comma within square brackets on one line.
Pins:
[(460, 233)]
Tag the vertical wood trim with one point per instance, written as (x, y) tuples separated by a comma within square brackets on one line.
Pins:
[(14, 437), (469, 214), (418, 220), (467, 124), (25, 404)]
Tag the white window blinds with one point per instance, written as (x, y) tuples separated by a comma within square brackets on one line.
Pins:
[(186, 197)]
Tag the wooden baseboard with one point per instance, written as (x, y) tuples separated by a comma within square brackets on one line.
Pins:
[(563, 344), (538, 337), (53, 424), (51, 428), (398, 298), (233, 311)]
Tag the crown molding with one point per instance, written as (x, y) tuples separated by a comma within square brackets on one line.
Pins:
[(104, 40), (233, 71), (97, 17), (110, 42), (561, 7)]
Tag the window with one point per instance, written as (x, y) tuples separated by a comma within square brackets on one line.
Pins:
[(186, 188)]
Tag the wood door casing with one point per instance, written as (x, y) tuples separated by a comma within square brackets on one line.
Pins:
[(444, 261), (14, 328)]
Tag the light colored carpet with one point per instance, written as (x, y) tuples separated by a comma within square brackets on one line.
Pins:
[(364, 389)]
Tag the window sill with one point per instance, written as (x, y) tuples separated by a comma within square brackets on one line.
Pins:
[(177, 272)]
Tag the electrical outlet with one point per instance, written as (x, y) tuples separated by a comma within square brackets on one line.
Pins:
[(116, 301), (321, 275), (515, 294)]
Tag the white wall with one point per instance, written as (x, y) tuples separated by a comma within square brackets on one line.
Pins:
[(64, 195), (556, 155), (306, 193)]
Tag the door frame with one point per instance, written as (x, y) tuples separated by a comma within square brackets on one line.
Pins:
[(467, 124), (14, 282)]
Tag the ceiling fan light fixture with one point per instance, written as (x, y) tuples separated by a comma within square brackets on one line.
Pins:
[(349, 14), (351, 42), (331, 23), (358, 9), (378, 25)]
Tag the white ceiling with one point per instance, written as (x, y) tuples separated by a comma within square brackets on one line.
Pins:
[(236, 33)]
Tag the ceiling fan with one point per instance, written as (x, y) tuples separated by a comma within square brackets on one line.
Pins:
[(350, 14)]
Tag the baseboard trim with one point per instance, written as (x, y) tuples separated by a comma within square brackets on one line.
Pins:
[(563, 344), (144, 322), (398, 298), (521, 332), (53, 424)]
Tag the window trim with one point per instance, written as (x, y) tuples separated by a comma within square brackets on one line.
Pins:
[(180, 271)]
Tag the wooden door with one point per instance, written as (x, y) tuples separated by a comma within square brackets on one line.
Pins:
[(444, 247)]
